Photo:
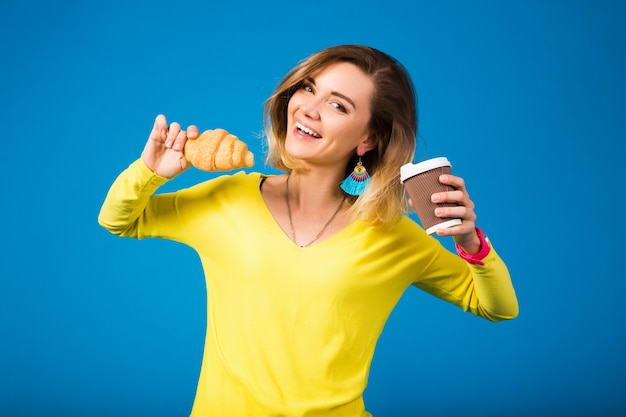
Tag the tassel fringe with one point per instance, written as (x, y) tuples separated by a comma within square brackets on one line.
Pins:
[(356, 182)]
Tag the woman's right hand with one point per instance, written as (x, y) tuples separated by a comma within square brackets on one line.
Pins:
[(163, 152)]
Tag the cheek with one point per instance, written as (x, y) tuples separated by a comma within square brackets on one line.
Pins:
[(290, 106), (294, 102), (290, 111), (352, 132), (363, 127)]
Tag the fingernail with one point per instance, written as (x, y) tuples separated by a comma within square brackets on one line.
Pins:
[(438, 211), (443, 178), (435, 197)]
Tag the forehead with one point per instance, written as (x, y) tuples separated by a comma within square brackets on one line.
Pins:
[(345, 78), (341, 71)]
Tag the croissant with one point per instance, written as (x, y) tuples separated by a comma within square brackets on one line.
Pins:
[(218, 150)]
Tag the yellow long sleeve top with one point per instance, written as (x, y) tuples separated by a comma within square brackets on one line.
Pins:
[(291, 331)]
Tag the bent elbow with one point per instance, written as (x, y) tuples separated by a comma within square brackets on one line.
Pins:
[(116, 228), (109, 227), (506, 314)]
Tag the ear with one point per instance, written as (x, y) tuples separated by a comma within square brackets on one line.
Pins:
[(367, 145)]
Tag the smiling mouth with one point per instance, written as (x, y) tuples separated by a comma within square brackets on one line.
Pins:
[(307, 131)]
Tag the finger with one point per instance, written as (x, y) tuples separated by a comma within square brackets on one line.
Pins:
[(179, 143), (456, 196), (456, 182), (160, 127), (172, 134), (456, 212), (192, 132), (463, 228)]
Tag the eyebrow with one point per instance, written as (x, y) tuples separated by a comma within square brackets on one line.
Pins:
[(334, 93)]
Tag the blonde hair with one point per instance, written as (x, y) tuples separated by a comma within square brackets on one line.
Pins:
[(393, 121)]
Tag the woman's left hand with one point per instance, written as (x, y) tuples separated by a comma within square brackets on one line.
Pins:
[(464, 234)]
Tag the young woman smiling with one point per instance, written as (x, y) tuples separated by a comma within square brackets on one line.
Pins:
[(303, 269)]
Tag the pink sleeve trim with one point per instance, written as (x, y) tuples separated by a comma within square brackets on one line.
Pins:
[(477, 258)]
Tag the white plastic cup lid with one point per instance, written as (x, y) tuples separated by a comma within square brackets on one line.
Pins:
[(410, 170), (444, 225)]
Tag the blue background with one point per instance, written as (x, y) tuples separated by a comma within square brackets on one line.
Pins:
[(526, 98)]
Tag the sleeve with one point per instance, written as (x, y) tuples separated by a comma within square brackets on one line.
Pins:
[(131, 210), (484, 290)]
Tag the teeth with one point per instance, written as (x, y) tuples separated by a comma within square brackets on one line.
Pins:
[(307, 130)]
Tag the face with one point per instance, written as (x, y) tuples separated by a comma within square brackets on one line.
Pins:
[(328, 117)]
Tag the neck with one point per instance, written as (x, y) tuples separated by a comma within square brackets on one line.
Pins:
[(312, 215), (311, 191)]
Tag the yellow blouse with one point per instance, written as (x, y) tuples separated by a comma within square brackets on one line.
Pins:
[(291, 331)]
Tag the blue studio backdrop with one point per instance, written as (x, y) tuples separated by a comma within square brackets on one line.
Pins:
[(526, 98)]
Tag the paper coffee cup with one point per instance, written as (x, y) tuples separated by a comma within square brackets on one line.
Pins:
[(421, 181)]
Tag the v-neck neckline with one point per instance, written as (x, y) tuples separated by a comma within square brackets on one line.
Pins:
[(276, 226)]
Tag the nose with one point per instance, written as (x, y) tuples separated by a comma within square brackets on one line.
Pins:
[(310, 107)]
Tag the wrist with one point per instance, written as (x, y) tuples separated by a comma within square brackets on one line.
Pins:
[(480, 254)]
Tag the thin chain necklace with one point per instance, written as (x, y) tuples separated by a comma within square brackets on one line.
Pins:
[(293, 230)]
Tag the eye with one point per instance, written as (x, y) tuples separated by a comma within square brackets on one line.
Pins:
[(307, 87), (339, 106)]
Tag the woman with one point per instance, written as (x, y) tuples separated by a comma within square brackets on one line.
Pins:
[(301, 275)]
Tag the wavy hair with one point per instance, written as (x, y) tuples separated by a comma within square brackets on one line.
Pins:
[(393, 121)]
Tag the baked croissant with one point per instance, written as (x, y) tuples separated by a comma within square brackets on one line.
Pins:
[(218, 150)]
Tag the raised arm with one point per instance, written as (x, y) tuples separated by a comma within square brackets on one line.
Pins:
[(161, 160)]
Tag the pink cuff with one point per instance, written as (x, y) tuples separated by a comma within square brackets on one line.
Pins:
[(477, 258)]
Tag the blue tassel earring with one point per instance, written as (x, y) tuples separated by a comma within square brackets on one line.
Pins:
[(357, 180)]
